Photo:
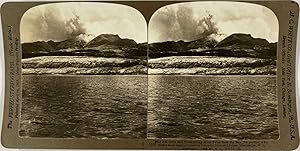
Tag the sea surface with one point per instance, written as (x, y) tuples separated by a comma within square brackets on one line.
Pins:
[(189, 107), (212, 107), (84, 106)]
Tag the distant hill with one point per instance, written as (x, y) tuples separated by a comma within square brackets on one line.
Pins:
[(109, 39), (109, 45), (51, 46), (239, 54), (104, 45), (39, 46), (180, 47), (235, 45), (242, 41), (244, 45), (74, 43)]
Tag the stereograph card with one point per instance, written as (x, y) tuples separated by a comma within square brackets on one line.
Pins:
[(215, 75)]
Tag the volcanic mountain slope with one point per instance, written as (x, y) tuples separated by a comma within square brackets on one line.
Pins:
[(235, 45), (110, 54), (242, 41), (109, 39), (74, 43), (105, 54), (238, 54), (38, 47), (171, 48), (104, 45), (50, 46), (244, 45), (109, 45)]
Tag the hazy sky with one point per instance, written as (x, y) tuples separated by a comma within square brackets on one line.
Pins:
[(191, 21), (61, 21)]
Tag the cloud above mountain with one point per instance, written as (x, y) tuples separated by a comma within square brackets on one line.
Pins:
[(61, 21), (194, 20)]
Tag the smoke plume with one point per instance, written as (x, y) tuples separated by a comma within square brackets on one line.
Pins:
[(181, 24), (214, 19), (83, 20), (52, 24), (74, 28)]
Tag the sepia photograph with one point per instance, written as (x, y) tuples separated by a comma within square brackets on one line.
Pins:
[(84, 71), (212, 72), (190, 75)]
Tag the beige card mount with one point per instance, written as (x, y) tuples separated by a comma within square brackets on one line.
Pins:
[(216, 75)]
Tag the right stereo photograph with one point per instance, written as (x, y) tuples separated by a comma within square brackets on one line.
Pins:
[(212, 72)]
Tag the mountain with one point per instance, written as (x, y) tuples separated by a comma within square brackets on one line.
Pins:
[(105, 45), (181, 46), (39, 46), (74, 43), (202, 43), (244, 45), (242, 41), (169, 48), (109, 39), (235, 45), (109, 45)]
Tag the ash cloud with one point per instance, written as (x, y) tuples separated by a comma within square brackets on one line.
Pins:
[(181, 24), (83, 20), (52, 24), (74, 28), (193, 20)]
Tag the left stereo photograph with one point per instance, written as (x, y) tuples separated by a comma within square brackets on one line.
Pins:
[(84, 71)]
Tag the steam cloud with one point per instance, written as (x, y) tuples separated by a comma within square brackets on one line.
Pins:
[(56, 28), (74, 28), (194, 20), (83, 20), (184, 21), (51, 24), (180, 24)]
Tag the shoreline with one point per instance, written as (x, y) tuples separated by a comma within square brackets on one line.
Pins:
[(175, 65), (178, 75)]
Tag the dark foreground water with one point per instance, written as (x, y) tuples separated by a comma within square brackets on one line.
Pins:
[(84, 106), (192, 107), (217, 107)]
